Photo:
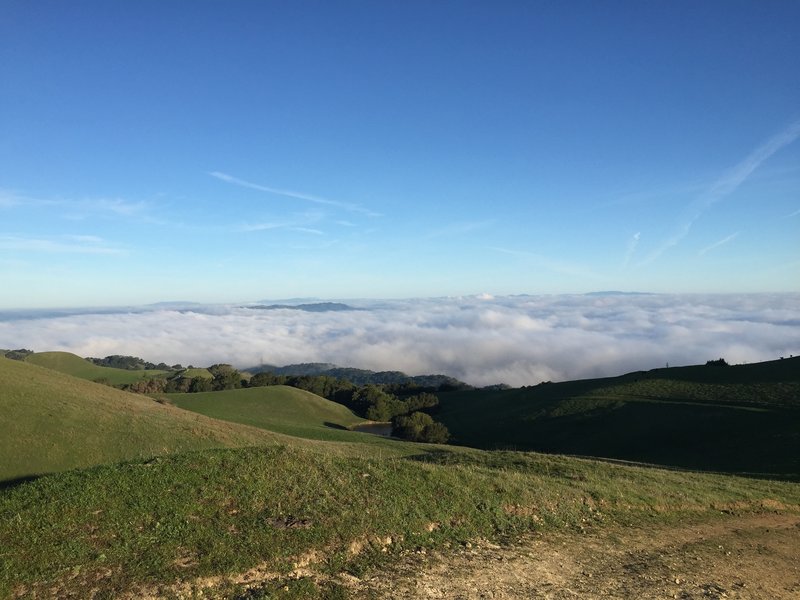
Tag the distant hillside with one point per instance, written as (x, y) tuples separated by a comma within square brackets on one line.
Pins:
[(743, 419), (314, 307), (363, 376), (52, 422), (296, 370)]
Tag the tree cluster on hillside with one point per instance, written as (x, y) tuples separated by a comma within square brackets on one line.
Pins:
[(421, 383), (131, 363), (223, 377), (19, 354), (420, 427), (720, 362)]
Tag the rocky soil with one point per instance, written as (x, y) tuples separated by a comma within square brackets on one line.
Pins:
[(745, 557)]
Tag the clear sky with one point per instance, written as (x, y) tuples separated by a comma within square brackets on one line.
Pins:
[(233, 151)]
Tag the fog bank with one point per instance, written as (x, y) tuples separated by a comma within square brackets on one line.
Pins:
[(519, 340)]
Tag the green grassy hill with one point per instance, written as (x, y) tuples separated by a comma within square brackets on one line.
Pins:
[(233, 518), (74, 365), (281, 409), (739, 419), (52, 422), (238, 522)]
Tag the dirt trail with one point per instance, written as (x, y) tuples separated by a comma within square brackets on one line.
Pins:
[(746, 557)]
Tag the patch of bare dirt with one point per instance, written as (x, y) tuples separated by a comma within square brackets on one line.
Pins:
[(740, 557)]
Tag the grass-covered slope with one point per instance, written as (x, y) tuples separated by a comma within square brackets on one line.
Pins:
[(249, 513), (51, 421), (281, 409), (742, 419), (71, 364)]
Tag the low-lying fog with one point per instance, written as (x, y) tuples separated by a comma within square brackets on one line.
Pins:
[(518, 340)]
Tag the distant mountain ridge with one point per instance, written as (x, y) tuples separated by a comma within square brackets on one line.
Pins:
[(617, 293), (363, 376), (313, 307)]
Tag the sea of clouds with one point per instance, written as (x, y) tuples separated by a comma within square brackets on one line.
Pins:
[(483, 340)]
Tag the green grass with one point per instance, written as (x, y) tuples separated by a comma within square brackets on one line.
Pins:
[(144, 525), (346, 499), (52, 422), (282, 409), (196, 372), (738, 419), (74, 365)]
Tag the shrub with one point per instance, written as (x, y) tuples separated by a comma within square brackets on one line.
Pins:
[(420, 427)]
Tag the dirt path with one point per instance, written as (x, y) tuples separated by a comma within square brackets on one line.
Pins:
[(748, 557)]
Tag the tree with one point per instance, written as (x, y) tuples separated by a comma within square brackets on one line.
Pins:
[(265, 378), (367, 396), (385, 408), (420, 427), (200, 384), (19, 354), (420, 401), (435, 433), (225, 377)]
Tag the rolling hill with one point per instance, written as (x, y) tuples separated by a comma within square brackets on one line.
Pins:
[(297, 518), (737, 419), (52, 421), (281, 409), (71, 364)]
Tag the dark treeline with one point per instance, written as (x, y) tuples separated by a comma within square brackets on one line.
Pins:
[(431, 383)]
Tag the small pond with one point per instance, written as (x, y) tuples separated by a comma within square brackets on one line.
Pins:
[(382, 429)]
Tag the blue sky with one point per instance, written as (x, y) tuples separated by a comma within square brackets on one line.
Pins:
[(235, 151)]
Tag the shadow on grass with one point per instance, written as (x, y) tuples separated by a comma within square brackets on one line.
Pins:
[(335, 426), (8, 484), (560, 465)]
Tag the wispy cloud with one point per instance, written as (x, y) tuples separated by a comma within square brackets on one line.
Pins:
[(544, 262), (727, 184), (9, 199), (281, 225), (793, 214), (86, 239), (68, 244), (718, 243), (460, 228), (111, 208), (307, 230), (292, 194), (117, 206), (738, 174), (631, 250), (80, 209), (261, 226)]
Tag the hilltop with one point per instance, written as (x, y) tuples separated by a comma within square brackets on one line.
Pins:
[(71, 364), (52, 422)]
